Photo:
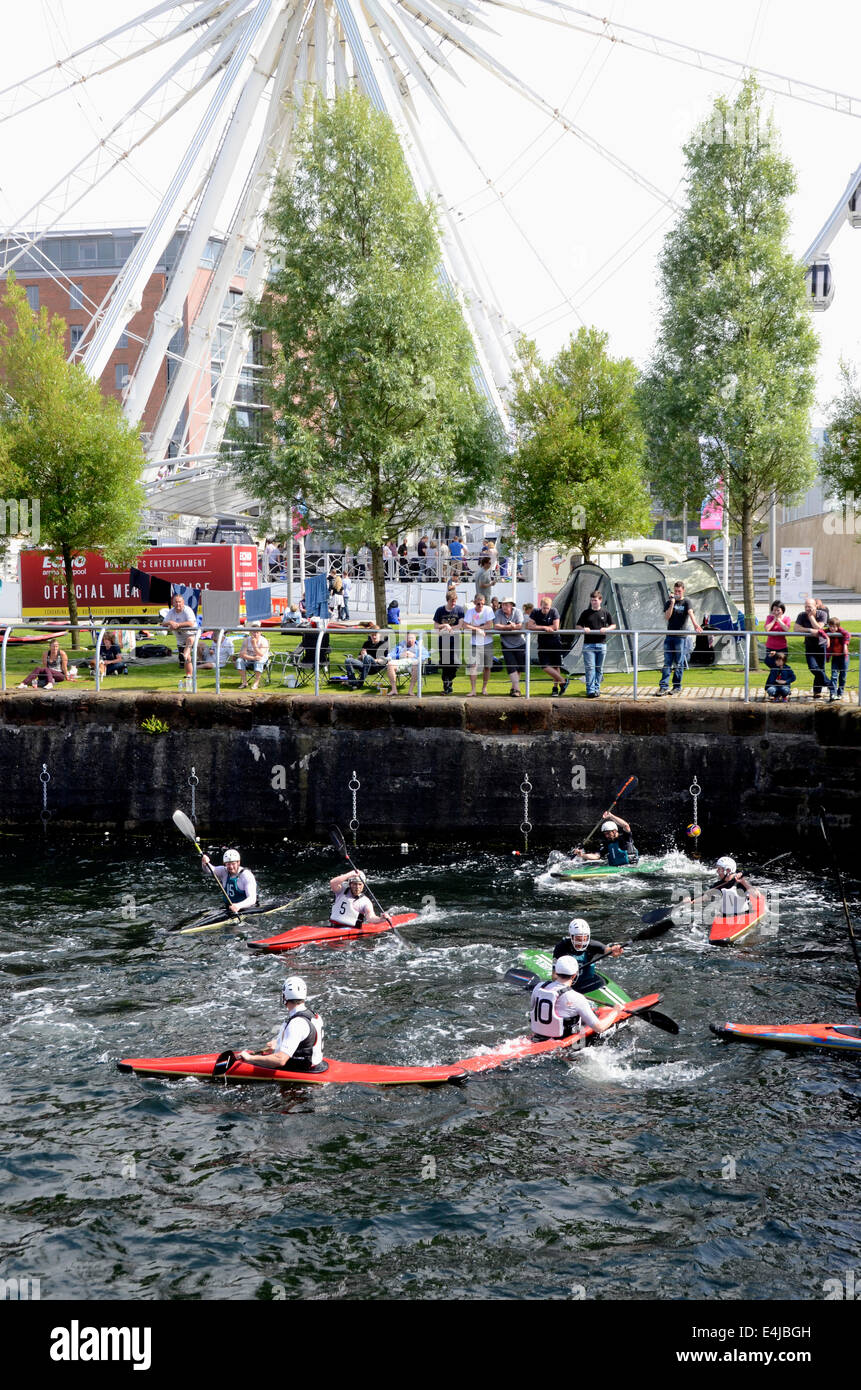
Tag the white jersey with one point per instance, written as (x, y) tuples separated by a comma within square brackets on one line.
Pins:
[(553, 1005), (346, 909), (297, 1030), (733, 902)]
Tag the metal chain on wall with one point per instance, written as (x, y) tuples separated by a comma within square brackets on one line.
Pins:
[(193, 782), (354, 784), (44, 778), (526, 823)]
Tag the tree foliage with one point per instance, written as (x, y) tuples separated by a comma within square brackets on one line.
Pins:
[(376, 423), (730, 387), (576, 479), (840, 461), (63, 443)]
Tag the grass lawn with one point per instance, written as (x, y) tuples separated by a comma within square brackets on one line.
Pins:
[(20, 660)]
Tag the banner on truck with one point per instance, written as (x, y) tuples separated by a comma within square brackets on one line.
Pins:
[(102, 589)]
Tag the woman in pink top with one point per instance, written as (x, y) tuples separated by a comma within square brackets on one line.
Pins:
[(776, 624)]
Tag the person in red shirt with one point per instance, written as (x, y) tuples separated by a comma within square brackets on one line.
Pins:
[(838, 650)]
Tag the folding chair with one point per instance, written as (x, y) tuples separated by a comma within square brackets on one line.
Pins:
[(299, 662)]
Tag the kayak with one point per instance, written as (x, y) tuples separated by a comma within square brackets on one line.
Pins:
[(541, 963), (643, 866), (836, 1037), (367, 1074), (727, 929), (311, 935), (225, 919)]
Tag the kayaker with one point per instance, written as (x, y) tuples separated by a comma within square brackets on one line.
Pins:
[(556, 1010), (298, 1044), (239, 884), (579, 945), (352, 907), (618, 847), (733, 888)]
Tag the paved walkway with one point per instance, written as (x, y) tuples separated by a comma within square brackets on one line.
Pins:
[(731, 692)]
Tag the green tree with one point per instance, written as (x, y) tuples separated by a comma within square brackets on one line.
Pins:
[(576, 478), (730, 387), (840, 460), (376, 423), (65, 444)]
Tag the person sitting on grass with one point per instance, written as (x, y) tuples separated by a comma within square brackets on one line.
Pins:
[(217, 656), (54, 668), (111, 659), (406, 657), (778, 682)]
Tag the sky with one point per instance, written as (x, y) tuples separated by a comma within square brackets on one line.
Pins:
[(562, 236)]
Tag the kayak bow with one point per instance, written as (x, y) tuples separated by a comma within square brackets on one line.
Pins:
[(727, 929), (835, 1037), (541, 963), (224, 919)]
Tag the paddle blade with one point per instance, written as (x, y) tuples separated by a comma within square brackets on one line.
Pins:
[(656, 930), (223, 1062), (524, 979), (628, 786), (338, 840), (183, 824), (659, 1020), (660, 914)]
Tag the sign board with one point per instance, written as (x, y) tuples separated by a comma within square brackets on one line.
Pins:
[(796, 574), (103, 589)]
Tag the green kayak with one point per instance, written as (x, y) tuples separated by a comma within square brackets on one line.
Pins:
[(541, 963), (643, 866)]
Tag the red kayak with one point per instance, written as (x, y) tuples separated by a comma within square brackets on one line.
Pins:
[(836, 1037), (307, 936), (367, 1074), (727, 929)]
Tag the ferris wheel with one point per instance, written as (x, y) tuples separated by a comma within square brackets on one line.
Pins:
[(231, 77)]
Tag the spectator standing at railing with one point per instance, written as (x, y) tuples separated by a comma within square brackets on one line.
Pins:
[(812, 624), (403, 561), (181, 621), (456, 550), (838, 650), (545, 621), (444, 560), (422, 552), (508, 622), (776, 625), (479, 621), (678, 612), (595, 622), (448, 619)]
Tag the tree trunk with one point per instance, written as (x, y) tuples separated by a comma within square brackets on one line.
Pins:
[(378, 571), (747, 577), (71, 600)]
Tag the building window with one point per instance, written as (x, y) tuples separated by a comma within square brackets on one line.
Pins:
[(33, 297), (88, 252), (123, 340), (76, 296), (76, 333), (121, 375)]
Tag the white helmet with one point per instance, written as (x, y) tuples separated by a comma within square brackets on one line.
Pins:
[(726, 863), (609, 825), (293, 988), (567, 967), (231, 856), (356, 877), (578, 926)]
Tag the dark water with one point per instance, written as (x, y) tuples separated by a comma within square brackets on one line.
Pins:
[(647, 1167)]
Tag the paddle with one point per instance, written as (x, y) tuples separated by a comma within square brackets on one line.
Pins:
[(626, 786), (184, 825), (660, 920), (852, 938), (223, 1062), (341, 846), (525, 979)]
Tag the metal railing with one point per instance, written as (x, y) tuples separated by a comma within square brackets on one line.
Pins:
[(461, 650)]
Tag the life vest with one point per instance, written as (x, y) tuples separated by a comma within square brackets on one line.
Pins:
[(232, 888), (543, 1017), (347, 910), (309, 1054), (617, 855), (734, 901)]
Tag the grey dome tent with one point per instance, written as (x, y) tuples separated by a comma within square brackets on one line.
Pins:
[(635, 597)]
